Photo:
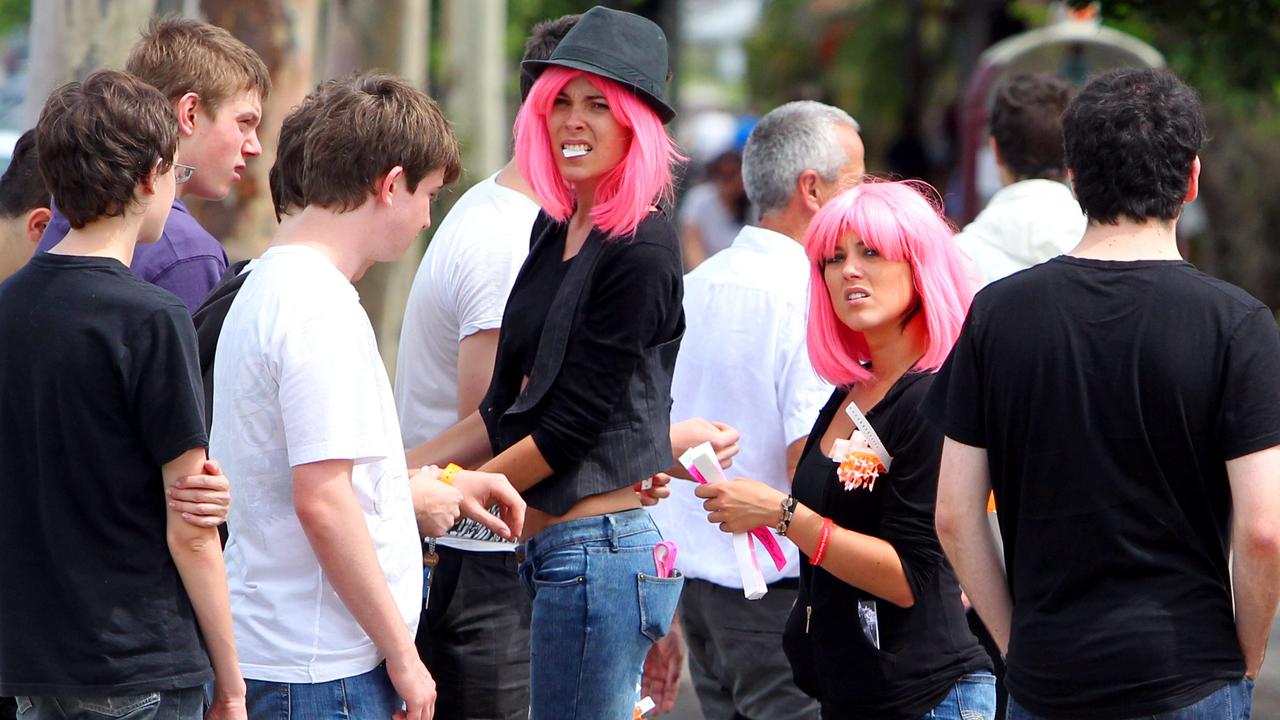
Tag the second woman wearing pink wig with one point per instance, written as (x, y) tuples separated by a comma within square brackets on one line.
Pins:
[(879, 630), (578, 408)]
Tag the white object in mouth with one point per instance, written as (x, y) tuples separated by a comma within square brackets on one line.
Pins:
[(574, 151)]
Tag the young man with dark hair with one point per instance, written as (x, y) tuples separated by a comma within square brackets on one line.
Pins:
[(111, 603), (1125, 408), (474, 633), (24, 206), (305, 422), (1034, 216), (216, 85)]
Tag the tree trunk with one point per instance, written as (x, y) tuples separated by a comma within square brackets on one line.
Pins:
[(391, 35), (72, 38), (284, 35)]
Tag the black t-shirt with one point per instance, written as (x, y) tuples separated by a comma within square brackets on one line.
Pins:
[(923, 649), (1109, 396), (530, 301), (634, 302), (101, 386)]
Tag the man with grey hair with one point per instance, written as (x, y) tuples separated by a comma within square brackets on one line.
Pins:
[(744, 360)]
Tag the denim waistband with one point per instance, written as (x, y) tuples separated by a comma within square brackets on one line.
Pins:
[(596, 528)]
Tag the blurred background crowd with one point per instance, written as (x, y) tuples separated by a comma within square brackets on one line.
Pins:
[(917, 74)]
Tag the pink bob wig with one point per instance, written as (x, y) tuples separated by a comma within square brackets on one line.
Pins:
[(626, 192), (897, 221)]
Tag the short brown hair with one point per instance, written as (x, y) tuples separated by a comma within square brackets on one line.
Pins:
[(97, 140), (21, 187), (1026, 122), (368, 125), (181, 55), (542, 41), (285, 178)]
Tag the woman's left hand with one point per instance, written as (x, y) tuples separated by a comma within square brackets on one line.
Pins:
[(741, 505)]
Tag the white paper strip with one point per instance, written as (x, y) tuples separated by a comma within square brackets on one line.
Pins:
[(703, 459)]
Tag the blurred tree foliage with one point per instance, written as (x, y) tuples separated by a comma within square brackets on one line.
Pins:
[(14, 13), (1227, 50), (899, 66)]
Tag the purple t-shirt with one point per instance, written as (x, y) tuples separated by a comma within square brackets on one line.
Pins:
[(186, 260)]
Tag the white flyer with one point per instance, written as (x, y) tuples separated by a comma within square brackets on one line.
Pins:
[(703, 465)]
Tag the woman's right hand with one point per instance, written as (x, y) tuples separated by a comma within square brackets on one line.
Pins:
[(741, 505), (480, 490)]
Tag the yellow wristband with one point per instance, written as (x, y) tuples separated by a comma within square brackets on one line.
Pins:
[(446, 475)]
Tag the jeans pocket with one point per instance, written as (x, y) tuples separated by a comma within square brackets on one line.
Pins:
[(658, 600), (24, 704), (132, 707)]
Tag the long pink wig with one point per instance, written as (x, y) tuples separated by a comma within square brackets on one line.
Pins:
[(626, 192), (897, 221)]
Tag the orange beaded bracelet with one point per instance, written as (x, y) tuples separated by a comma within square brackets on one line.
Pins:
[(824, 539)]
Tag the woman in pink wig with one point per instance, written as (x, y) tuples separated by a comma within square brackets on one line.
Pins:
[(578, 408), (879, 628)]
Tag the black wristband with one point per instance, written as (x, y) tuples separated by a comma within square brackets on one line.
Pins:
[(788, 511)]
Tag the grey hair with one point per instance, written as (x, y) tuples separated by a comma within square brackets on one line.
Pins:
[(787, 141)]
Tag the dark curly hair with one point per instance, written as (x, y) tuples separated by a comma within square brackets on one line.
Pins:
[(1131, 137), (21, 188), (1026, 122), (97, 140), (542, 41)]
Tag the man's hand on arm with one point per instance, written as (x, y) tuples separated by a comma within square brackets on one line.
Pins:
[(331, 516), (197, 553), (436, 505), (203, 498), (1255, 545), (964, 483)]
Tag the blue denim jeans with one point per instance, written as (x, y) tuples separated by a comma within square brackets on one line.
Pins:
[(370, 695), (973, 697), (597, 608), (1233, 701), (184, 704)]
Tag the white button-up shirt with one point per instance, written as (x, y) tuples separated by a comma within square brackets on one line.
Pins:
[(743, 361)]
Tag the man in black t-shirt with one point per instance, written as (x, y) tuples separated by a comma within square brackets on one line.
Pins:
[(1125, 407), (112, 601)]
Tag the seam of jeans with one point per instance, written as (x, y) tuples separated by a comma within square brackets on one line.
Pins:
[(287, 692), (1231, 711)]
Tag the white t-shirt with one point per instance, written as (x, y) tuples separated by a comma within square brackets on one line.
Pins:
[(743, 361), (703, 209), (298, 379), (460, 289), (1024, 224)]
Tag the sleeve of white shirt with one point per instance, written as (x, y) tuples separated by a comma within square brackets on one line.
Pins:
[(801, 393), (483, 275), (330, 394)]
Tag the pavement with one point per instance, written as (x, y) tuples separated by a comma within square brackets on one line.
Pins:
[(1266, 694)]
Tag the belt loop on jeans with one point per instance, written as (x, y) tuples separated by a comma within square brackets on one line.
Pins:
[(613, 532)]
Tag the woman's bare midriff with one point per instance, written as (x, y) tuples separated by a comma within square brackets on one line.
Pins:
[(620, 500)]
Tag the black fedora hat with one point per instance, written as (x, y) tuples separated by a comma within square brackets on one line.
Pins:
[(621, 46)]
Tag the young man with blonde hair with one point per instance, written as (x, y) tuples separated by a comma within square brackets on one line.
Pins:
[(216, 85)]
